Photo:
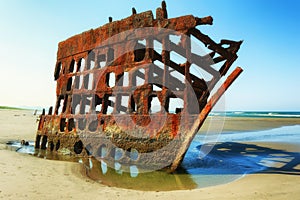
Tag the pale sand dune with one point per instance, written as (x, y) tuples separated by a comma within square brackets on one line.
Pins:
[(28, 177)]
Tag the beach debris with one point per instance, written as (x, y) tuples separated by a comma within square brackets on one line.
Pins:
[(24, 143), (9, 142), (128, 91)]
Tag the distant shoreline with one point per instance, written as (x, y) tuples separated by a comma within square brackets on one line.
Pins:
[(11, 108)]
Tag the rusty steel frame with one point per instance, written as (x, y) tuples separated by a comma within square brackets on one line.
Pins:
[(80, 56)]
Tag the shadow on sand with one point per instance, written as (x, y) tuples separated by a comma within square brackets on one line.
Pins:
[(241, 158)]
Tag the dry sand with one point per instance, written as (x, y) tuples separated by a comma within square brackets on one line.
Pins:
[(28, 177)]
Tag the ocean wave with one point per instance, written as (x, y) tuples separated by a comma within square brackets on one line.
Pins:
[(257, 114)]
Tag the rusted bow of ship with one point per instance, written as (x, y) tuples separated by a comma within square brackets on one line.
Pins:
[(130, 91)]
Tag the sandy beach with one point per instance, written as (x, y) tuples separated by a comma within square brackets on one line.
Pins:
[(28, 177)]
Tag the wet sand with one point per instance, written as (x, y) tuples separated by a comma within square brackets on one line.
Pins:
[(28, 177), (234, 124)]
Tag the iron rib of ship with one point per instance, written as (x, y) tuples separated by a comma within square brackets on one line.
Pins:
[(105, 90)]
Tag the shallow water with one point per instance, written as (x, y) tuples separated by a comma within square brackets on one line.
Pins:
[(285, 134), (207, 163)]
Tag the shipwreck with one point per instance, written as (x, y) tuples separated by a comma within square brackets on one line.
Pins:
[(123, 96)]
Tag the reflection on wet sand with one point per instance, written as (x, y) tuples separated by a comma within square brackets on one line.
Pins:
[(132, 178), (226, 162)]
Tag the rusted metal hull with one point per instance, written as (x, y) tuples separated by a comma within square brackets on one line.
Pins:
[(99, 112)]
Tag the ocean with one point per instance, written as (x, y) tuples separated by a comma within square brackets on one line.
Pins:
[(257, 114)]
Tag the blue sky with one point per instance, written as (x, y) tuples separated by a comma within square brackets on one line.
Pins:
[(31, 30)]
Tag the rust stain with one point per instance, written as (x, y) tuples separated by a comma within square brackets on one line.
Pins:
[(91, 88)]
